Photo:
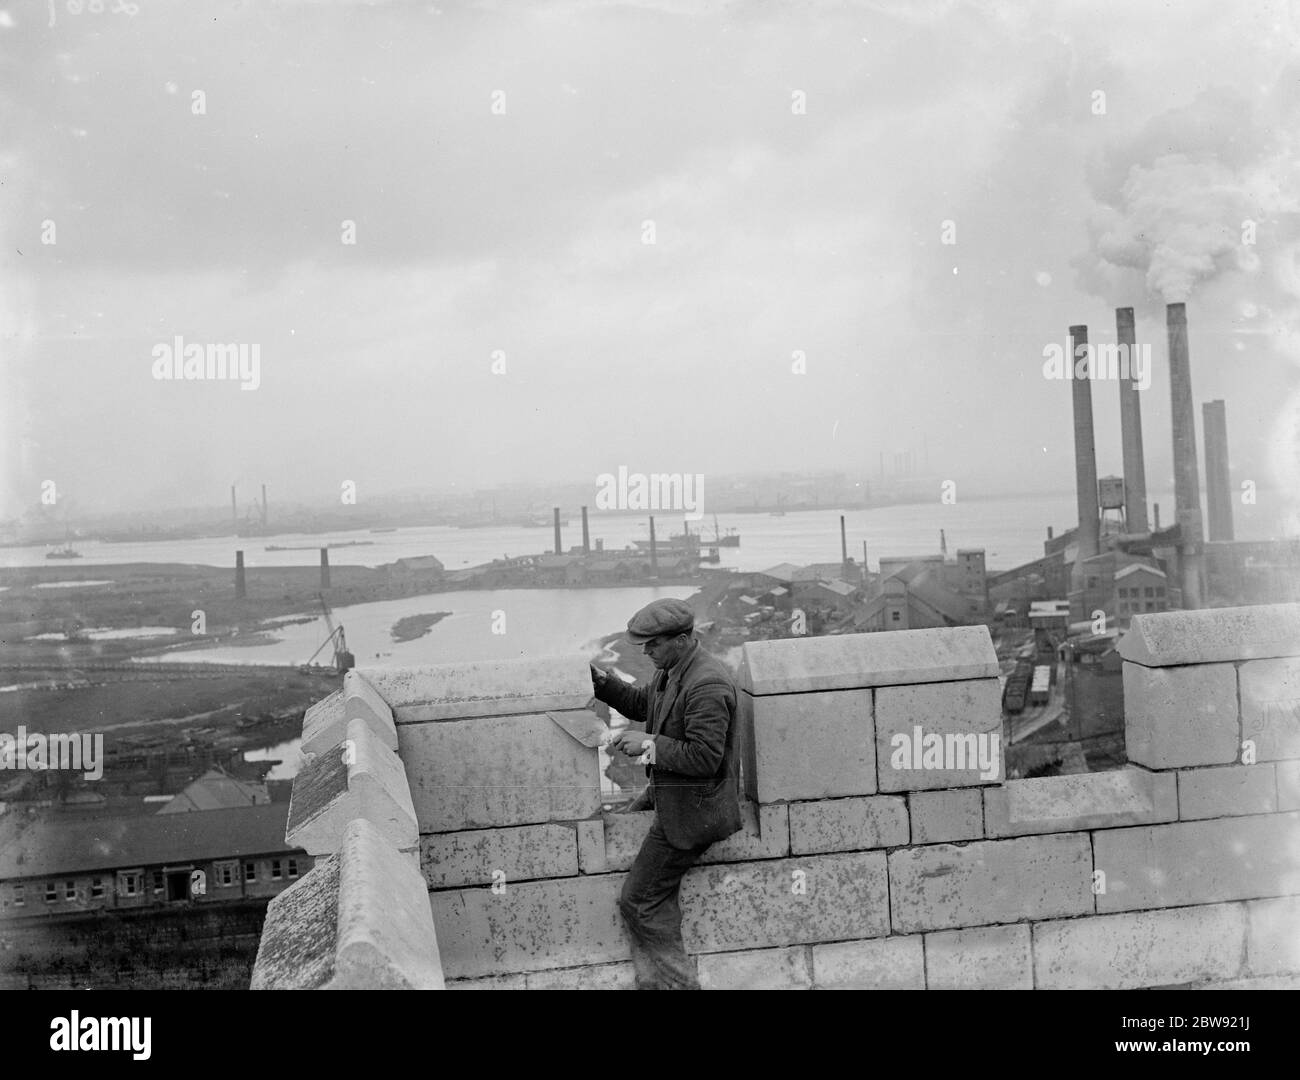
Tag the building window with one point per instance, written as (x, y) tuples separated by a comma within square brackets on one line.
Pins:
[(96, 887), (129, 884), (894, 616), (250, 871), (1092, 583), (69, 890), (293, 867), (275, 870), (51, 892), (19, 899), (225, 873), (158, 881), (1148, 591)]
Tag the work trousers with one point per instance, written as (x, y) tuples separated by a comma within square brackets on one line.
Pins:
[(650, 907)]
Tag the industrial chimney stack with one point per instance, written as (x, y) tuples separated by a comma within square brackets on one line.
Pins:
[(558, 550), (1187, 487), (1130, 419), (1218, 485), (586, 535), (1088, 535)]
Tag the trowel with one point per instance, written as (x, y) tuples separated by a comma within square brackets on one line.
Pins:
[(583, 725)]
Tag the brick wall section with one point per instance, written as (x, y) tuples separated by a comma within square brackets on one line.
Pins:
[(1182, 868)]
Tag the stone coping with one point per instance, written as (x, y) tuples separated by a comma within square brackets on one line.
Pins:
[(1206, 636), (855, 661)]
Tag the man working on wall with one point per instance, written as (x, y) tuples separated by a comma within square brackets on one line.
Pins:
[(689, 746)]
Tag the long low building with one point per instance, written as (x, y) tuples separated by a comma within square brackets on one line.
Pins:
[(52, 865)]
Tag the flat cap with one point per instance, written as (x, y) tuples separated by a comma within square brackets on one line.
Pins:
[(660, 618)]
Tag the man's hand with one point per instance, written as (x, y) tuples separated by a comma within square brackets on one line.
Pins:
[(629, 742), (598, 678)]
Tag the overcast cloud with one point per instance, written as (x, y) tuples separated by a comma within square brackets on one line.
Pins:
[(775, 230)]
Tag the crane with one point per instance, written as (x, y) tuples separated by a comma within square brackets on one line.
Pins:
[(343, 660)]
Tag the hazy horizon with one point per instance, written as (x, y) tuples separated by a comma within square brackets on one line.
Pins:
[(433, 223)]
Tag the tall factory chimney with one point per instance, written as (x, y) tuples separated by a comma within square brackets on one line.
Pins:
[(654, 555), (1085, 451), (1088, 535), (1187, 486), (586, 536), (240, 585), (844, 548), (1130, 420), (558, 549), (324, 568), (1218, 485)]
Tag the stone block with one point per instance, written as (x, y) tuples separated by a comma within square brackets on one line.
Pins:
[(785, 902), (452, 860), (1085, 801), (891, 963), (324, 725), (593, 977), (296, 950), (1270, 707), (1198, 862), (1212, 635), (1288, 785), (1227, 791), (966, 717), (386, 938), (1176, 717), (984, 958), (360, 778), (942, 817), (765, 835), (361, 701), (1273, 936), (757, 969), (1149, 948), (856, 824), (814, 746), (483, 688), (992, 881), (358, 920), (532, 926), (855, 661), (591, 847), (495, 771)]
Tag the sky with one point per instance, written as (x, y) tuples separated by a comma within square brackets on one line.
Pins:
[(490, 243)]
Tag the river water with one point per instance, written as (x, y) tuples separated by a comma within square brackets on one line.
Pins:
[(506, 623), (1011, 530)]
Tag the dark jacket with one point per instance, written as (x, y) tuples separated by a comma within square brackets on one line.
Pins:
[(695, 781)]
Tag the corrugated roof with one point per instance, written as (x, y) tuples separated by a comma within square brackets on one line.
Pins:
[(53, 845)]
